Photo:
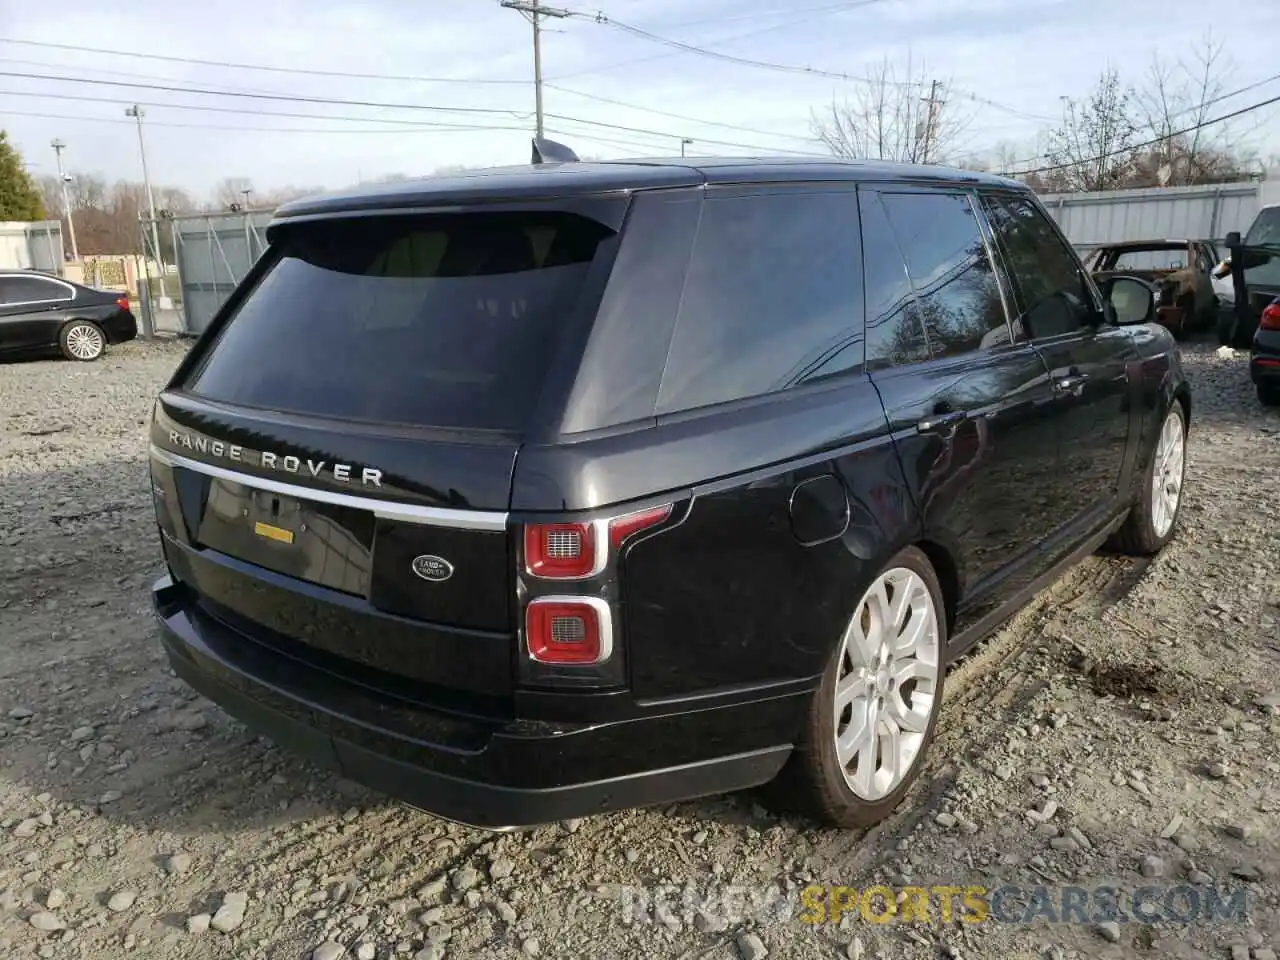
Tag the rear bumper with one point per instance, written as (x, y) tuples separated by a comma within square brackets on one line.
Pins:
[(120, 327), (491, 773), (1264, 357)]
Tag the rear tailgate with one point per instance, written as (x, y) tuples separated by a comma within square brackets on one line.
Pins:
[(333, 471)]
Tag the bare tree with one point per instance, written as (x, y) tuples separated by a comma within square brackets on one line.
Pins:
[(911, 119), (232, 190), (1095, 147), (1181, 95)]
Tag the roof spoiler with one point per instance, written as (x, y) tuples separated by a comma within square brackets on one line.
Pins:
[(548, 151)]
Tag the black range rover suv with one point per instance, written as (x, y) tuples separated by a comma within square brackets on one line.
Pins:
[(550, 490)]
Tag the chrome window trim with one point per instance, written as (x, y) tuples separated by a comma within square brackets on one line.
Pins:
[(485, 520)]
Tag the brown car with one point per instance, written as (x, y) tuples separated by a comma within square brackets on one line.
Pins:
[(1180, 270)]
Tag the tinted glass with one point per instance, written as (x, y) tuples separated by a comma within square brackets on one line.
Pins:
[(895, 333), (1055, 298), (31, 290), (955, 285), (1265, 228), (443, 321), (772, 298)]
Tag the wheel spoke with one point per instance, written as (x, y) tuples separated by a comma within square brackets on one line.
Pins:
[(917, 632), (851, 742), (905, 716), (890, 742), (847, 691), (861, 644)]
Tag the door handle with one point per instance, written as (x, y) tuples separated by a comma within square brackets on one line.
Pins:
[(939, 421), (1072, 384)]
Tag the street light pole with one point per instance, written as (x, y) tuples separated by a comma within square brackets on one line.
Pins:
[(136, 113), (58, 147), (684, 142)]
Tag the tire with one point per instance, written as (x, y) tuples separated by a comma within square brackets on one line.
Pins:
[(814, 781), (82, 340), (1152, 522), (1269, 394)]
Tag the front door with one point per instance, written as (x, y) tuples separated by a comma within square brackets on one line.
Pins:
[(30, 311), (1058, 314), (970, 409)]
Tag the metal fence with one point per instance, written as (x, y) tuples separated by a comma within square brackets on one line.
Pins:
[(32, 246), (1199, 212), (213, 252)]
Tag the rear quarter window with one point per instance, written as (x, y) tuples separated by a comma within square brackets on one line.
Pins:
[(772, 297), (443, 321)]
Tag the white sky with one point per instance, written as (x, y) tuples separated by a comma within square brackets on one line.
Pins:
[(1021, 54)]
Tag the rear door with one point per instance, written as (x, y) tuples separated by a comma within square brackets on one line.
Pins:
[(1089, 361), (971, 409), (32, 310), (334, 465)]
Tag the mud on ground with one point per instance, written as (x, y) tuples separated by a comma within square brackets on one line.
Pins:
[(1122, 730)]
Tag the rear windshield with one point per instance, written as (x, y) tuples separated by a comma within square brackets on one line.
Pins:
[(447, 320)]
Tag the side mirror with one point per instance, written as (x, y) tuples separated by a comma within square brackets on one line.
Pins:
[(1129, 301), (1233, 238)]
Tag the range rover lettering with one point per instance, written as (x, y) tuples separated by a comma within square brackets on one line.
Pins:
[(557, 489)]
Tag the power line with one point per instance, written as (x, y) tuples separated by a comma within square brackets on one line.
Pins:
[(258, 66), (210, 108), (679, 116), (1146, 143), (288, 97), (412, 123), (421, 128)]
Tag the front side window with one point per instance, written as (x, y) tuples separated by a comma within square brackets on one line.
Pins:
[(954, 281), (772, 298), (1055, 296)]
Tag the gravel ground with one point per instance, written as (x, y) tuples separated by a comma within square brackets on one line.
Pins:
[(1122, 730)]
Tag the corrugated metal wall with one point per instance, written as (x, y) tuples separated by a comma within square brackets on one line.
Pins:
[(1209, 212), (214, 254), (32, 246)]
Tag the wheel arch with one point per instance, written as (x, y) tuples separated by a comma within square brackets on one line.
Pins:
[(944, 565)]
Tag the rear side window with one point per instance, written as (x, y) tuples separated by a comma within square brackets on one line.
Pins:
[(954, 281), (446, 320), (772, 298), (1265, 229), (17, 289)]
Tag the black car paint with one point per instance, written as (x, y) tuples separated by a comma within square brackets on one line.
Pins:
[(36, 327), (784, 508), (1264, 357)]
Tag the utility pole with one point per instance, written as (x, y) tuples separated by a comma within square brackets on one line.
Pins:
[(137, 113), (534, 12), (58, 147), (931, 120)]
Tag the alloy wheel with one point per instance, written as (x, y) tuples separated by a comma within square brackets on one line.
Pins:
[(1166, 474), (84, 341), (887, 683)]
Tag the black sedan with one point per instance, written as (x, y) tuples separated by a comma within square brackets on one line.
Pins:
[(41, 312), (1264, 356)]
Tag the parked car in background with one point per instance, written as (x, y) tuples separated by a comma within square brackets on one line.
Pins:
[(40, 312), (1264, 355), (1180, 272), (550, 490)]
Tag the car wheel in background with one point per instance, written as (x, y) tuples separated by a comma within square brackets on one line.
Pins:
[(82, 340), (873, 717), (1154, 516), (1269, 394)]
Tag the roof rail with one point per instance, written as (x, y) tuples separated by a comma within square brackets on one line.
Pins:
[(548, 151)]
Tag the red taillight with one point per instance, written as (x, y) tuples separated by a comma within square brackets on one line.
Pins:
[(122, 303), (561, 551), (1270, 317), (568, 630), (620, 528)]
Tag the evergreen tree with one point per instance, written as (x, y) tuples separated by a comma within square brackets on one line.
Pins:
[(19, 196)]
